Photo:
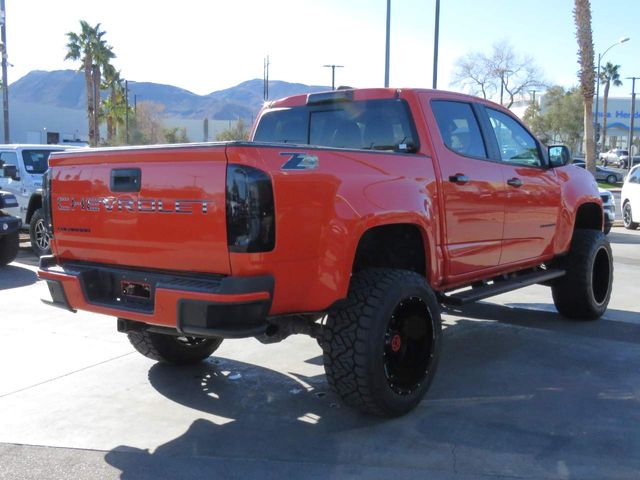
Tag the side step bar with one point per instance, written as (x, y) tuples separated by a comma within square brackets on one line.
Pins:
[(500, 286)]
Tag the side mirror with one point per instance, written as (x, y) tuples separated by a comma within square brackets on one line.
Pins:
[(10, 171), (7, 200), (559, 156)]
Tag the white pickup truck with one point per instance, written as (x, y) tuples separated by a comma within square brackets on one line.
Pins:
[(25, 182)]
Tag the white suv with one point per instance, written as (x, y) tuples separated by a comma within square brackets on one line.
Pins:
[(630, 198), (21, 169)]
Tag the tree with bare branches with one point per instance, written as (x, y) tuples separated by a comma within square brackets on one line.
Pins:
[(586, 75), (504, 71)]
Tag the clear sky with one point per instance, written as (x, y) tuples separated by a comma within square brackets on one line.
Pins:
[(208, 45)]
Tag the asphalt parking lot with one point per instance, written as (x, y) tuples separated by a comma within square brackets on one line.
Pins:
[(520, 393)]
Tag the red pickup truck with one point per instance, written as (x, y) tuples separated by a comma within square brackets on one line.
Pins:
[(350, 216)]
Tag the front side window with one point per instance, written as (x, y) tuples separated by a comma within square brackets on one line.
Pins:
[(515, 143), (459, 128), (8, 158), (36, 161), (368, 125)]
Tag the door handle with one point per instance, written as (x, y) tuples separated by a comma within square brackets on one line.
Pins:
[(125, 180), (514, 182), (459, 178)]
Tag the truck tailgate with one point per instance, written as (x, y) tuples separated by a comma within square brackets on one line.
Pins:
[(149, 208)]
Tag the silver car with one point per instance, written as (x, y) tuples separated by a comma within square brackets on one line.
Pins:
[(604, 174)]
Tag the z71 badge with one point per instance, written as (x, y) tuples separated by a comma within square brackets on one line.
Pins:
[(300, 161)]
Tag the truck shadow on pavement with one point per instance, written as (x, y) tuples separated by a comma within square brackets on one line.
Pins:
[(554, 399), (623, 238), (14, 276), (613, 326)]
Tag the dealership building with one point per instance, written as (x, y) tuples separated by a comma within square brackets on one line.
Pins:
[(619, 121)]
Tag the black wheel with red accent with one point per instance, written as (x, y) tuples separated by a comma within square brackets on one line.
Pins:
[(177, 350), (584, 292), (381, 347)]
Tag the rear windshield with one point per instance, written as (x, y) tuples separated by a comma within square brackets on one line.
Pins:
[(36, 161), (369, 124)]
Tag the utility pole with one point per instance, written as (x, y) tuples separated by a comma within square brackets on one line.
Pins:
[(126, 112), (633, 114), (386, 56), (96, 104), (533, 92), (333, 74), (435, 46), (135, 105), (5, 82)]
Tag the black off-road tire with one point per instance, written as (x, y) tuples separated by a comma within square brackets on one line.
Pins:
[(584, 292), (40, 240), (627, 217), (9, 245), (359, 342), (172, 349)]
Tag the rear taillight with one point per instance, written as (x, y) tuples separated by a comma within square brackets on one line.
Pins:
[(250, 211), (46, 200)]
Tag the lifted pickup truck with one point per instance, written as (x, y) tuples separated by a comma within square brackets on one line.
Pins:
[(350, 217)]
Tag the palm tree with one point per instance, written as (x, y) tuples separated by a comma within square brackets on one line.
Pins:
[(582, 16), (114, 108), (92, 50), (610, 74)]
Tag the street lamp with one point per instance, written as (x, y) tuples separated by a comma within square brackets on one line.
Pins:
[(333, 74), (600, 55)]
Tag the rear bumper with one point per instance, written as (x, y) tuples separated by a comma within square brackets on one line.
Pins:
[(208, 306)]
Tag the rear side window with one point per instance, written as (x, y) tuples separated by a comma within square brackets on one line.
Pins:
[(370, 125), (283, 125), (36, 161), (459, 128)]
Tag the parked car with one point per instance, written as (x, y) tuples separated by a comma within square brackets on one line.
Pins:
[(9, 226), (604, 174), (615, 156), (609, 206), (624, 162), (630, 199), (23, 166)]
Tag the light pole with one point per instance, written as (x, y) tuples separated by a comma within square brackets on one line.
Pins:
[(386, 55), (5, 82), (333, 74), (633, 114), (435, 46), (265, 78), (126, 112), (600, 55)]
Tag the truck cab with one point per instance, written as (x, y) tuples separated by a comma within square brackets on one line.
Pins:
[(25, 182)]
